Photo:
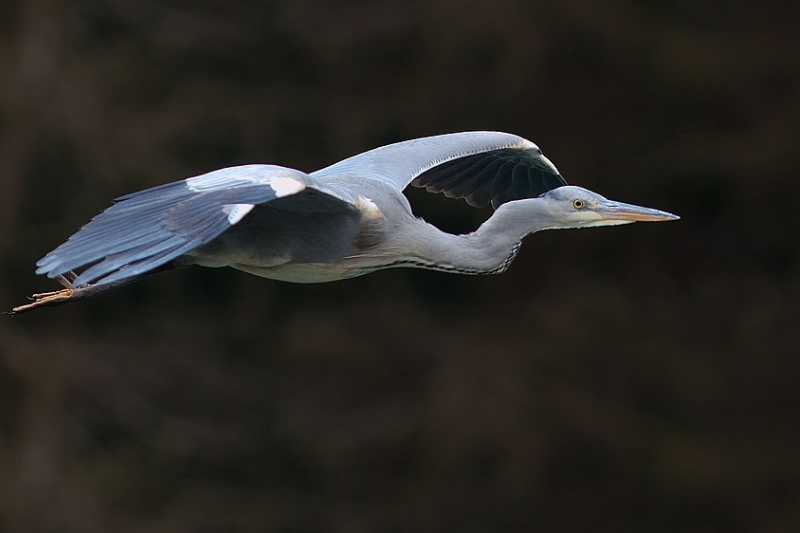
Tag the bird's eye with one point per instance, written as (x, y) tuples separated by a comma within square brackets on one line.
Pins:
[(577, 204)]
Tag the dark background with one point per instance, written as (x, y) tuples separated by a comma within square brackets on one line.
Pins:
[(640, 378)]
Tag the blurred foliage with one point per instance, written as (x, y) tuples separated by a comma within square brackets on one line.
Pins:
[(626, 379)]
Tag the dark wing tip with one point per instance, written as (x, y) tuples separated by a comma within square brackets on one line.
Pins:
[(495, 177)]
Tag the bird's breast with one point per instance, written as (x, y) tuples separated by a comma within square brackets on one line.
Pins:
[(304, 272)]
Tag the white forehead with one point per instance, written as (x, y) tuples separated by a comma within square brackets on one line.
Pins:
[(571, 192)]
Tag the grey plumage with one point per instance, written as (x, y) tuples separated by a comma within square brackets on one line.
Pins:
[(345, 220)]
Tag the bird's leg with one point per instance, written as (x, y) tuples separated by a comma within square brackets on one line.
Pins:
[(70, 293), (67, 294), (65, 280)]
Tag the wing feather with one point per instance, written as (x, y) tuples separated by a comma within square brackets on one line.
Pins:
[(460, 165), (509, 173), (144, 230)]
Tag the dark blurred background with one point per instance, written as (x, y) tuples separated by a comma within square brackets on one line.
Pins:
[(641, 378)]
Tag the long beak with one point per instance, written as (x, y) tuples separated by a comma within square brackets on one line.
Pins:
[(617, 211)]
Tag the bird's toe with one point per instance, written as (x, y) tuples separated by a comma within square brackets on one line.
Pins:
[(44, 299)]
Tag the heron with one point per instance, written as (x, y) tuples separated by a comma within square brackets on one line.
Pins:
[(345, 220)]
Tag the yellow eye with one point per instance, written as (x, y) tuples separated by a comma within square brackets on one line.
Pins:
[(578, 204)]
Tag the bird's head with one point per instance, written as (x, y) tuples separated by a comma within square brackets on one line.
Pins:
[(576, 207)]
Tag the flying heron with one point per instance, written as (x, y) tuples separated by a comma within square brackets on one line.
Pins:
[(342, 221)]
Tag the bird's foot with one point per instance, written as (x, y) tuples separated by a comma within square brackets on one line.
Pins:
[(73, 293), (46, 299)]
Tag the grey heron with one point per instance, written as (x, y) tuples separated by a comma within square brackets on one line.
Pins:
[(342, 221)]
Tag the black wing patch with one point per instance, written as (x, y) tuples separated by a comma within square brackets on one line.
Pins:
[(147, 229), (494, 177)]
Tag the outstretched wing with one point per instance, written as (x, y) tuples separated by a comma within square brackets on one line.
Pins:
[(480, 166), (147, 229)]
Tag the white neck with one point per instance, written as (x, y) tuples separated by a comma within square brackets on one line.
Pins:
[(489, 250)]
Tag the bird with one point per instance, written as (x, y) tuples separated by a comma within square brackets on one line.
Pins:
[(345, 220)]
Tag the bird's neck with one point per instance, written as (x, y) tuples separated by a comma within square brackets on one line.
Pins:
[(489, 250)]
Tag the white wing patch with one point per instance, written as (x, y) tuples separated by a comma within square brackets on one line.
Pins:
[(236, 212), (368, 208), (286, 186)]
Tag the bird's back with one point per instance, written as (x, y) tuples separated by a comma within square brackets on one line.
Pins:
[(300, 239)]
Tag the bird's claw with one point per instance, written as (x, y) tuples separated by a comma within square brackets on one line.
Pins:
[(44, 299)]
